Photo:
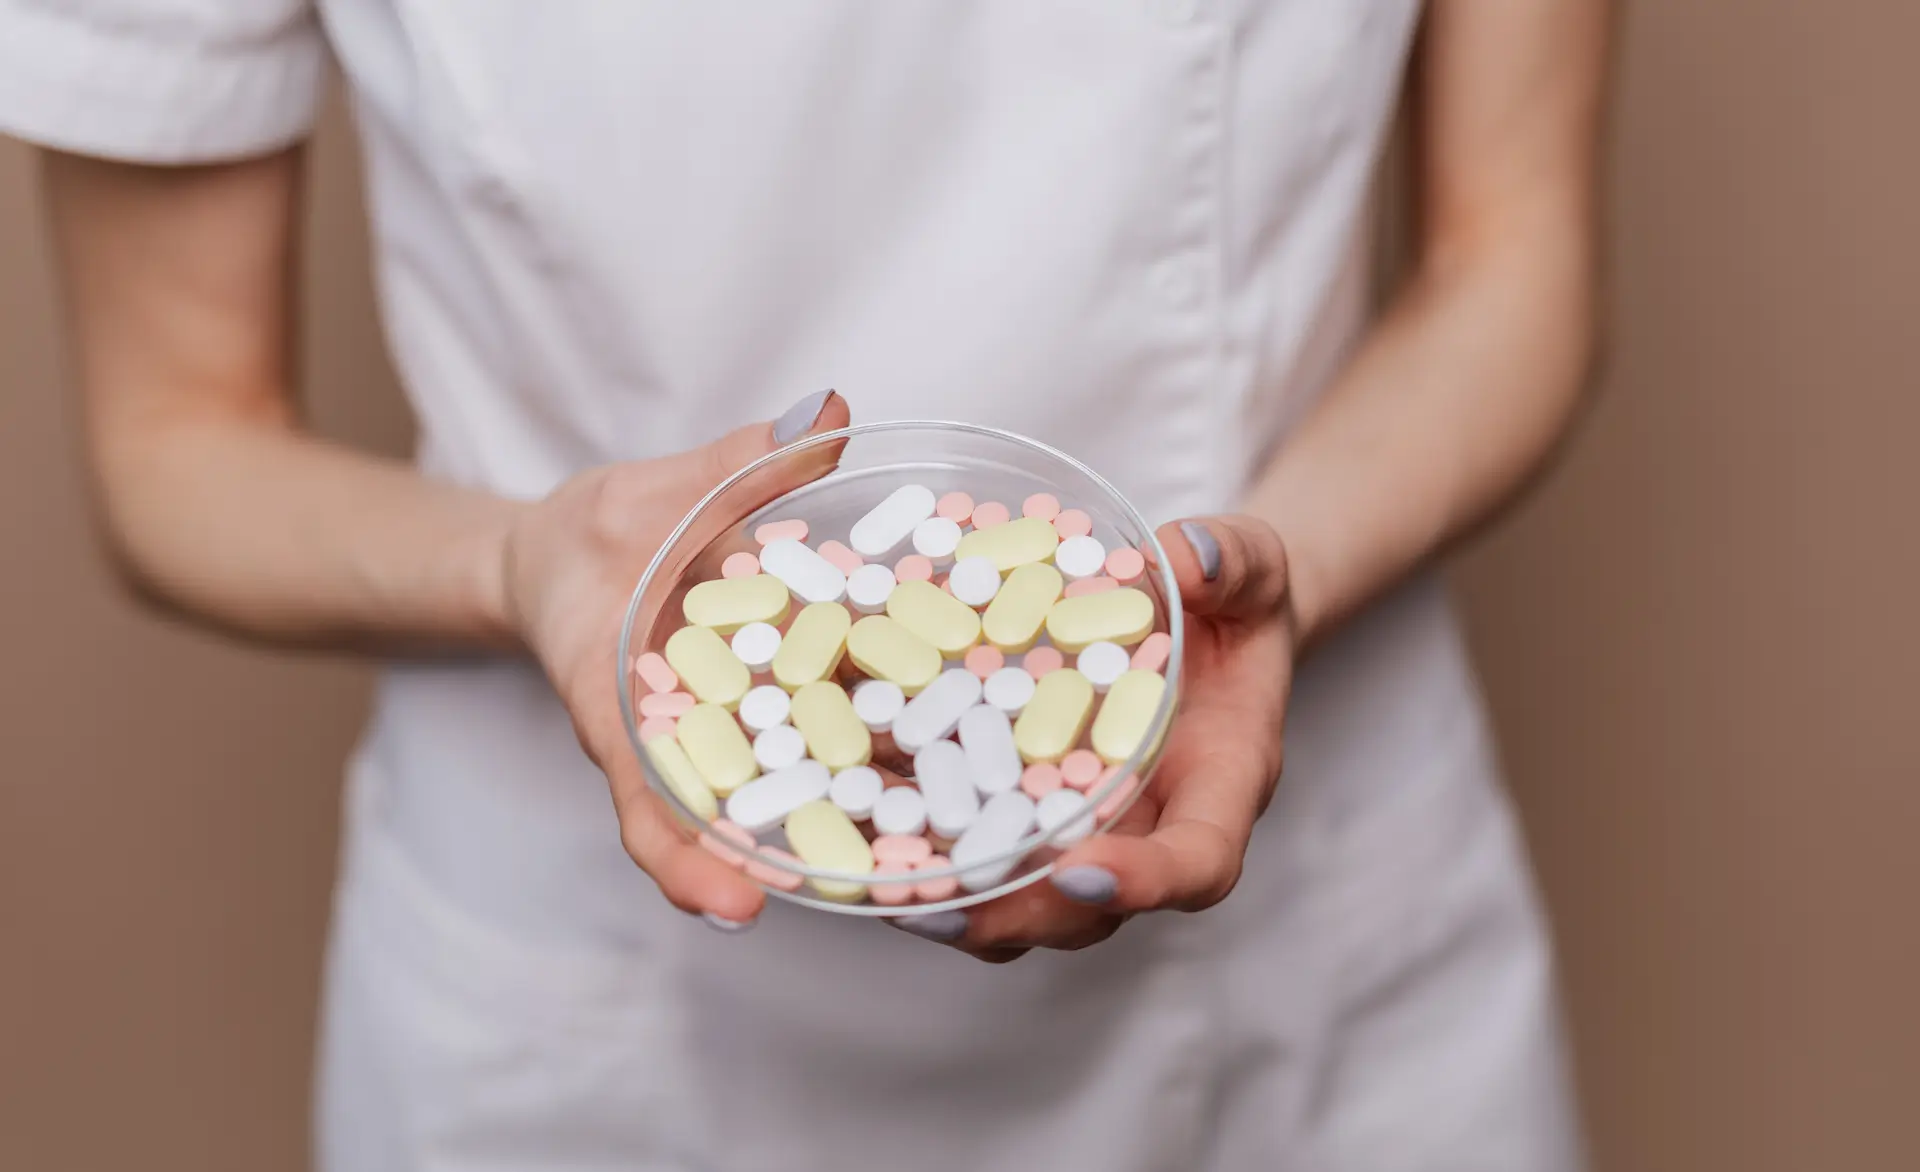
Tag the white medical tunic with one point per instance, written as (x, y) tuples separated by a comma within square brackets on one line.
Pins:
[(609, 230)]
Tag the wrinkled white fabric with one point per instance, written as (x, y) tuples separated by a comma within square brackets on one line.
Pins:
[(1131, 228)]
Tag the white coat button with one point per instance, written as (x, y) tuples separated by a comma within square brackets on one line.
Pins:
[(1173, 12), (1179, 281)]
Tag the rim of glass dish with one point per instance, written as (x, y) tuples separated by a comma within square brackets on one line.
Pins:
[(1149, 747)]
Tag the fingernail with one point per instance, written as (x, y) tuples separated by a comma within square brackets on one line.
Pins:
[(1204, 547), (799, 418), (945, 927), (722, 924), (1087, 884)]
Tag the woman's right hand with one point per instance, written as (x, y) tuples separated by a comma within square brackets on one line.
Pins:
[(569, 564)]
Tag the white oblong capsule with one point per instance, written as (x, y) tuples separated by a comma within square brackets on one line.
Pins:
[(986, 735), (1063, 814), (1002, 822), (760, 804), (756, 644), (891, 521), (940, 770), (809, 576), (877, 703), (765, 707), (901, 811), (869, 587), (856, 790), (778, 747), (1008, 689), (936, 710)]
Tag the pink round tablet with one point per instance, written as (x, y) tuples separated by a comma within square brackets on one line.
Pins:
[(990, 513), (1080, 769), (901, 848), (984, 660), (1037, 781), (1090, 586), (652, 667), (740, 565), (891, 894), (1041, 506), (1072, 523), (1042, 660), (1152, 653), (666, 704), (774, 877), (1122, 793), (843, 559), (931, 890), (794, 529), (1126, 565), (913, 568), (955, 506), (656, 727)]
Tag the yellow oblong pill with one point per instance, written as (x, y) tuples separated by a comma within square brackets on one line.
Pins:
[(836, 736), (716, 746), (1123, 616), (1014, 544), (936, 616), (1051, 723), (824, 837), (727, 604), (1013, 619), (682, 778), (886, 650), (1126, 714), (707, 666), (812, 646)]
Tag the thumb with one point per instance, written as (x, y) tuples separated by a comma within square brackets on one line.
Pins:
[(1231, 567), (820, 411)]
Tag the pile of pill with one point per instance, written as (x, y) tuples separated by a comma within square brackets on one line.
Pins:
[(803, 673)]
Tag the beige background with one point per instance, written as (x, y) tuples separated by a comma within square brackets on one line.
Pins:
[(1694, 639)]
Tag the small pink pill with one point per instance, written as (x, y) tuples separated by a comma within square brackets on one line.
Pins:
[(652, 667), (1110, 805), (902, 848), (891, 894), (984, 660), (793, 529), (1080, 769), (843, 559), (740, 565), (1152, 653), (730, 843), (1089, 586), (659, 726), (1041, 506), (1042, 660), (989, 514), (955, 506), (931, 890), (1072, 523), (674, 704), (774, 877), (1126, 565), (1037, 781), (913, 568)]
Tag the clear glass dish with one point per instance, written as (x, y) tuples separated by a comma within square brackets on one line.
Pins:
[(873, 460)]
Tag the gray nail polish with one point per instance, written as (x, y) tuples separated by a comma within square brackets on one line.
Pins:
[(1087, 884), (1204, 547), (722, 924), (945, 927), (799, 418)]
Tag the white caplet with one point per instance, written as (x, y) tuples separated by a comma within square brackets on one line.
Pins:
[(811, 577), (986, 735), (935, 712), (891, 521), (1061, 814), (760, 804), (1002, 823), (940, 769)]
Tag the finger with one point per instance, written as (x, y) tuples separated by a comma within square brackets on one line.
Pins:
[(1228, 567), (820, 411)]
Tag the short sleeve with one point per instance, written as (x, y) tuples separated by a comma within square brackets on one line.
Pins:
[(160, 81)]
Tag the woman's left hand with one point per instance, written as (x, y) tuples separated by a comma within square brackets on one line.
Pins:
[(1181, 844)]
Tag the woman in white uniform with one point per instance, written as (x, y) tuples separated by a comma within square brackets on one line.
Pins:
[(614, 240)]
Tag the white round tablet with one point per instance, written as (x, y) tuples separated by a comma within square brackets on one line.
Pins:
[(900, 810), (936, 537), (856, 790), (756, 644), (1080, 557), (877, 702), (764, 707), (1008, 689), (869, 587), (778, 747), (974, 581), (1061, 807), (1103, 663)]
